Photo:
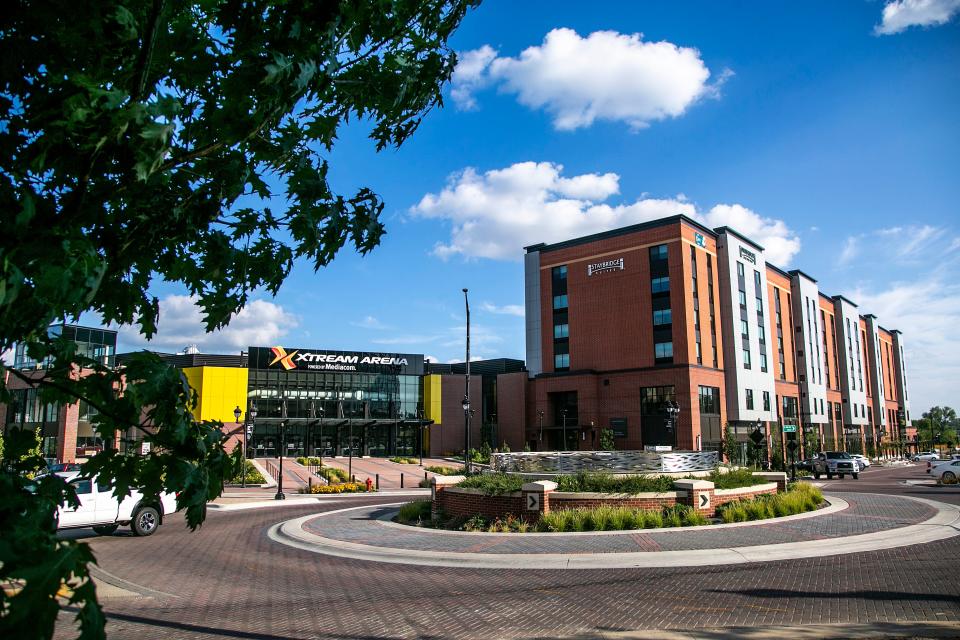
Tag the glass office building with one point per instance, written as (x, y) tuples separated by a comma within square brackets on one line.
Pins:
[(328, 403)]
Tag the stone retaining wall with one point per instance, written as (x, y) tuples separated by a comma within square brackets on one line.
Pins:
[(537, 498)]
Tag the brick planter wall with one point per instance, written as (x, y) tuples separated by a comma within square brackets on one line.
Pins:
[(455, 501)]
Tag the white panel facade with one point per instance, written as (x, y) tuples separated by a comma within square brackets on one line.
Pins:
[(876, 371), (850, 358), (531, 273), (748, 360), (808, 337), (900, 375)]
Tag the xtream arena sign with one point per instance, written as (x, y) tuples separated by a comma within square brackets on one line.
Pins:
[(345, 361)]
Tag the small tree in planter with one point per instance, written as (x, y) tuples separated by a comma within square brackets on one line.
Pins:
[(607, 441), (731, 448)]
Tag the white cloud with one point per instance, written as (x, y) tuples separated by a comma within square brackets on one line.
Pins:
[(850, 250), (470, 75), (899, 15), (507, 309), (181, 325), (926, 309), (369, 322), (603, 76), (497, 213), (910, 240), (406, 339), (954, 245), (428, 358)]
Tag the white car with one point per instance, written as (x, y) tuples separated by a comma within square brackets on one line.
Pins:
[(926, 456), (100, 509), (864, 461), (946, 473)]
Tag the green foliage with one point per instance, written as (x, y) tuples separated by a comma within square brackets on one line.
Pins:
[(799, 498), (484, 453), (493, 484), (734, 479), (415, 512), (310, 461), (445, 471), (333, 474), (939, 425), (253, 475), (504, 448), (607, 483), (618, 518), (153, 140), (403, 460), (731, 448), (607, 440)]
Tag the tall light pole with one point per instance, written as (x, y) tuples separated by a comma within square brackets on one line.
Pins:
[(466, 394), (243, 469), (283, 424)]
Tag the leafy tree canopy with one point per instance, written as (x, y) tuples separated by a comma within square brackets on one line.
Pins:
[(186, 141)]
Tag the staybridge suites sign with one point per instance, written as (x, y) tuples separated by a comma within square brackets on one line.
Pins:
[(286, 359), (605, 266)]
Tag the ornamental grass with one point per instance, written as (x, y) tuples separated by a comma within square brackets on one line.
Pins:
[(801, 497), (341, 487), (610, 518)]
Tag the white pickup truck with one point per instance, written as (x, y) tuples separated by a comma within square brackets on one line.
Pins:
[(100, 509)]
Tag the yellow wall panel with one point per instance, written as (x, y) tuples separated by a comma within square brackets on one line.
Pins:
[(221, 390), (431, 398)]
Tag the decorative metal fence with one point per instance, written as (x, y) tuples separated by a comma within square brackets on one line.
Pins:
[(608, 461)]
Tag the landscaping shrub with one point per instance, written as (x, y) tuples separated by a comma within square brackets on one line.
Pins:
[(343, 487), (415, 512), (610, 518), (333, 474), (734, 479), (253, 475), (799, 498), (403, 460), (583, 481), (445, 471), (310, 462), (493, 484)]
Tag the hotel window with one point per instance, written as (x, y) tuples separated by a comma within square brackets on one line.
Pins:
[(740, 269), (766, 401), (561, 319), (661, 317), (663, 352), (749, 398), (743, 299), (826, 353), (855, 410), (561, 331), (696, 303), (710, 400), (746, 358), (779, 318), (763, 361), (560, 302), (744, 329), (660, 285), (658, 252), (561, 361)]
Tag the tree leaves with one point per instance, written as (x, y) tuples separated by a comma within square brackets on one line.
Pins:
[(156, 139)]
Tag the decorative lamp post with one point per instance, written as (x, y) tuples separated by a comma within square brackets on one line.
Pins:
[(466, 428), (420, 430), (243, 470), (540, 416), (247, 432), (673, 412), (283, 424), (563, 446)]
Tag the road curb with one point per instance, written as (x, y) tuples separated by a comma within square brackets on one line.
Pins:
[(944, 524), (312, 499)]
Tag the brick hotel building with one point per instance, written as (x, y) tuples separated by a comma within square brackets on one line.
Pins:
[(623, 324)]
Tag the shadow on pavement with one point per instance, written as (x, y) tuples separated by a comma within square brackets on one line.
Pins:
[(869, 594)]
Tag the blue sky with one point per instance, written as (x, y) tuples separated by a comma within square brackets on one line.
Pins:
[(827, 130)]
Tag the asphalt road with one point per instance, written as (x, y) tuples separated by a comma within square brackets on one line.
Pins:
[(228, 580)]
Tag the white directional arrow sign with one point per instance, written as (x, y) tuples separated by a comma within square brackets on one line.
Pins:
[(533, 502), (704, 500)]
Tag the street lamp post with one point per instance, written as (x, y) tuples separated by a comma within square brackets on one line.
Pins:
[(283, 424), (673, 412), (563, 446), (420, 430), (243, 469), (540, 438)]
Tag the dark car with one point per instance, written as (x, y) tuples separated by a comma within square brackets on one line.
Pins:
[(60, 467), (805, 465)]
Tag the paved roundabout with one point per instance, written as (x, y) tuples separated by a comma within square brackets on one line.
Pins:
[(232, 579), (867, 522)]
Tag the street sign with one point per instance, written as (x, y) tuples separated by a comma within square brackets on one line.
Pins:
[(704, 500), (789, 428), (533, 502)]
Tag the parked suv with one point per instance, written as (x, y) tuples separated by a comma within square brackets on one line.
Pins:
[(835, 463)]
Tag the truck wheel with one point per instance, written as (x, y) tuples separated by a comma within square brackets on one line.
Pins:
[(856, 476), (145, 521), (829, 475), (106, 529)]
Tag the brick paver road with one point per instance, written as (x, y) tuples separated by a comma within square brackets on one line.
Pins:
[(230, 580)]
